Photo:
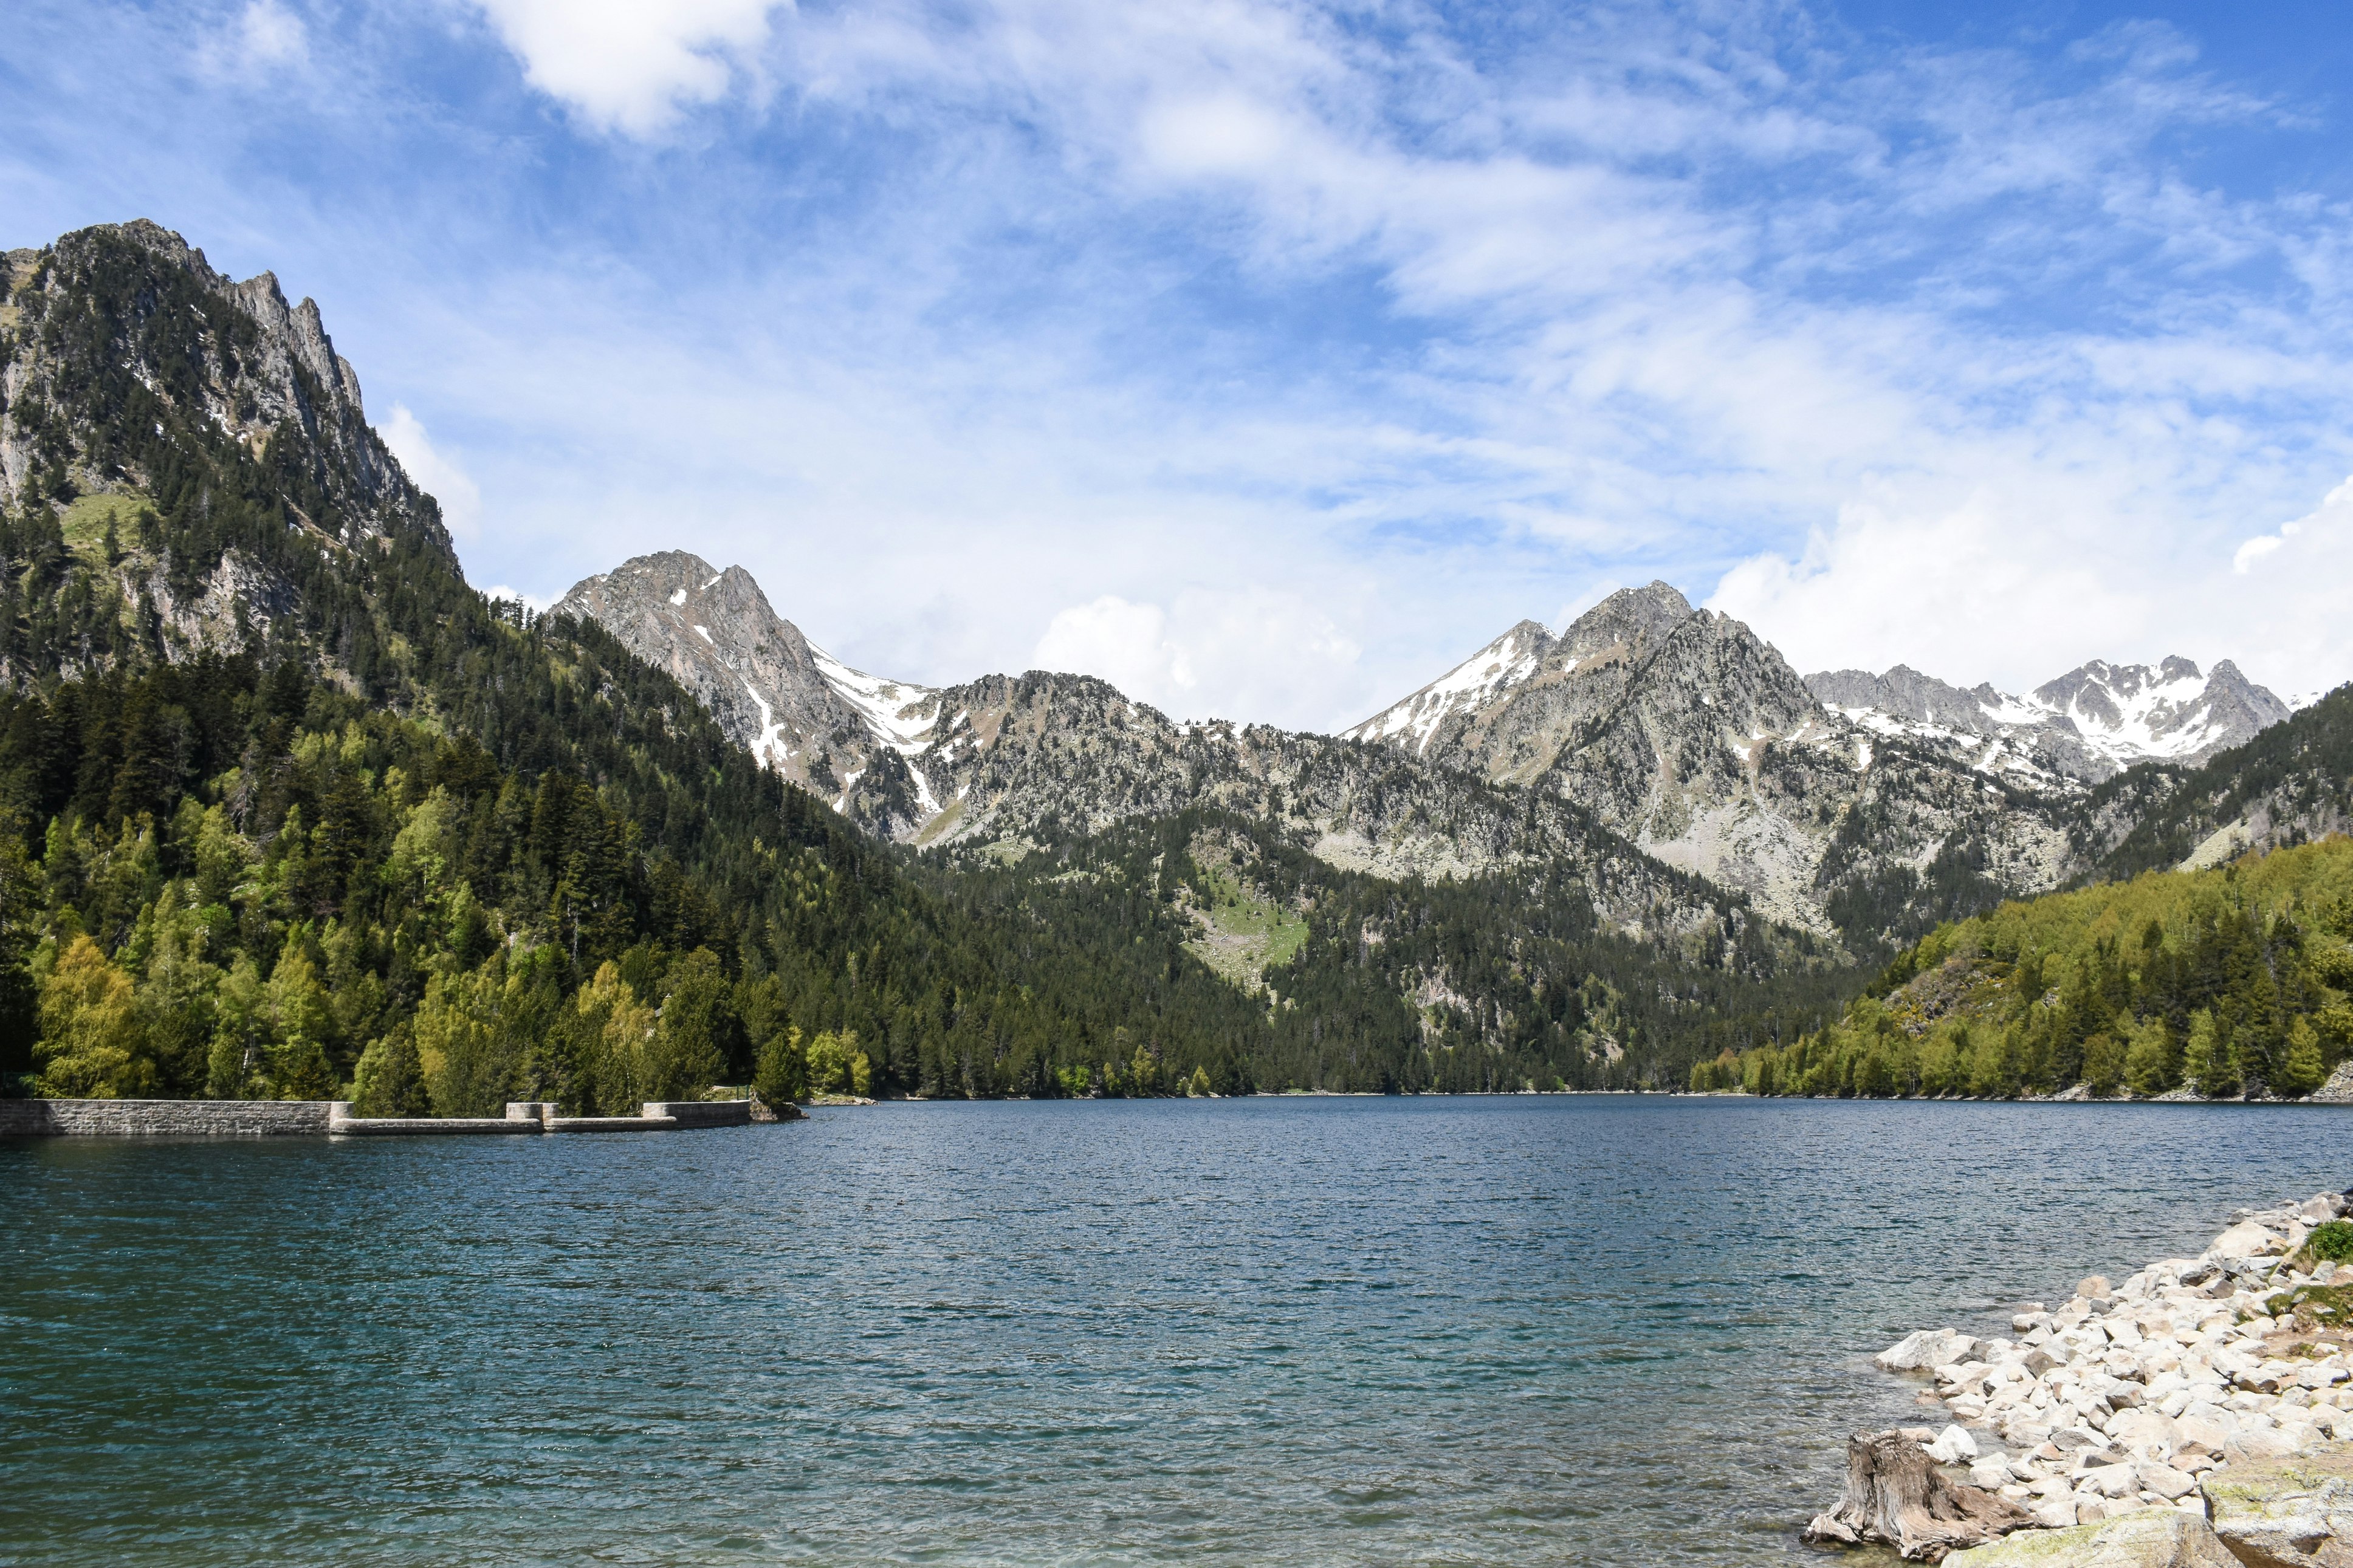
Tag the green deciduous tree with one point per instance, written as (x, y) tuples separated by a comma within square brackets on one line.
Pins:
[(93, 1041)]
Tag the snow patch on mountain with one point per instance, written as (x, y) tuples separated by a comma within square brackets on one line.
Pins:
[(770, 747), (902, 715), (2096, 720), (1477, 681)]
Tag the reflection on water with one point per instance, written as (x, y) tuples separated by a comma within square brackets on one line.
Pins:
[(1599, 1330)]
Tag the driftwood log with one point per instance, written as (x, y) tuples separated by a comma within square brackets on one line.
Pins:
[(1896, 1495)]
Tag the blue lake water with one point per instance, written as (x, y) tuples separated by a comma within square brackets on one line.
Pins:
[(1591, 1331)]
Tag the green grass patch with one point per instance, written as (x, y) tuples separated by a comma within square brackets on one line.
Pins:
[(1247, 935), (943, 825), (85, 520), (2316, 1306), (2329, 1243)]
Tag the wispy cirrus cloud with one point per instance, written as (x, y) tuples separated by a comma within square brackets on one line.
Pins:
[(1134, 336)]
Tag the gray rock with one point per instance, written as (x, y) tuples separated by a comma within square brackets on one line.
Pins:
[(1953, 1445), (1991, 1472), (2247, 1240), (2295, 1512)]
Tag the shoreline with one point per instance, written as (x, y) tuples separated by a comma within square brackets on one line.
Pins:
[(2169, 1393)]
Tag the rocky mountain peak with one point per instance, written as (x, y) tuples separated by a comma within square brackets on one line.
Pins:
[(2084, 726), (1511, 659), (1626, 623), (204, 358), (838, 731), (1902, 691)]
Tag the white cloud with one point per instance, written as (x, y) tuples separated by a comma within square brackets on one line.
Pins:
[(631, 66), (271, 34), (2262, 544), (1125, 643), (436, 473), (1263, 652), (2286, 609), (257, 41), (1967, 594)]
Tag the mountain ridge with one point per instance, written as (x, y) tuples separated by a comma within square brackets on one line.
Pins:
[(2086, 725), (1006, 759)]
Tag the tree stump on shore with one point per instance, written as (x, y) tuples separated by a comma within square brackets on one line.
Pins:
[(1895, 1494)]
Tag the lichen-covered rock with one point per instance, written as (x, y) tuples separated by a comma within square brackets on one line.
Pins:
[(2151, 1537), (2293, 1513)]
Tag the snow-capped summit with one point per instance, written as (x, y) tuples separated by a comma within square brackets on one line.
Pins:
[(1469, 686), (2091, 722), (1630, 620)]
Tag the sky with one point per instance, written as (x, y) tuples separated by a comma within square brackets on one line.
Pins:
[(1267, 359)]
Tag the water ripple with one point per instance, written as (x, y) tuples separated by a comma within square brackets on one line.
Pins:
[(1315, 1331)]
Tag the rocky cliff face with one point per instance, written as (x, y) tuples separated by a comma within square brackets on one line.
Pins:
[(137, 383), (842, 734), (123, 309), (2084, 726), (1508, 710), (1692, 736)]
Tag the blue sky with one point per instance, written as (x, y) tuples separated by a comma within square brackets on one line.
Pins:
[(1267, 359)]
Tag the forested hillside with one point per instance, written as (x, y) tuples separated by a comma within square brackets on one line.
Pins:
[(2218, 983), (287, 809), (1498, 982)]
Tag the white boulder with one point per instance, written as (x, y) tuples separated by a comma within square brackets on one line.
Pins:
[(1927, 1349), (1953, 1445)]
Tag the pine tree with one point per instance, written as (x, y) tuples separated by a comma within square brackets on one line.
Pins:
[(2152, 1061), (2208, 1058), (2301, 1072)]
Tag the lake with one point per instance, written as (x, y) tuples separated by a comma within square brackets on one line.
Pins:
[(1316, 1330)]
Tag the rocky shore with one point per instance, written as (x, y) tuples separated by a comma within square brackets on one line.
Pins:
[(2218, 1389)]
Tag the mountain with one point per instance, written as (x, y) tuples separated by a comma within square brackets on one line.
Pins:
[(839, 733), (2087, 725), (2292, 783), (1016, 759), (1693, 737), (201, 454), (288, 808)]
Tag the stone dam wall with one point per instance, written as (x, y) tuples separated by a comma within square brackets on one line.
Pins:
[(321, 1118), (165, 1118)]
